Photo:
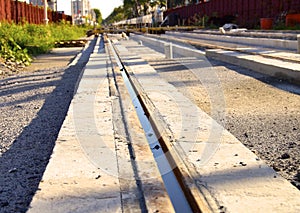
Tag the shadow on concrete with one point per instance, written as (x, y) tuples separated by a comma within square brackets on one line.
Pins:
[(240, 174), (23, 164), (79, 199)]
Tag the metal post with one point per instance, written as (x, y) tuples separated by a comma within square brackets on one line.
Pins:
[(45, 12), (77, 7), (169, 50), (72, 12)]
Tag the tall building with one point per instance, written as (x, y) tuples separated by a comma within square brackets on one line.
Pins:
[(52, 4), (81, 12)]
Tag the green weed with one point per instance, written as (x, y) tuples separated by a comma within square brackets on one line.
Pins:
[(19, 42)]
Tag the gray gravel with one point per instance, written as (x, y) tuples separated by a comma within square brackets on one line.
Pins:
[(262, 112), (33, 106)]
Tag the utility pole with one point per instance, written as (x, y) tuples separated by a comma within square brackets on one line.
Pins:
[(45, 12), (77, 17)]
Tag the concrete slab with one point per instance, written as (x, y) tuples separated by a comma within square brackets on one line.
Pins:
[(92, 168), (276, 63), (132, 140), (233, 45), (276, 68), (233, 177), (82, 175), (84, 171), (263, 42)]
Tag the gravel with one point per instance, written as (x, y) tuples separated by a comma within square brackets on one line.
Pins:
[(262, 112), (9, 68), (33, 104)]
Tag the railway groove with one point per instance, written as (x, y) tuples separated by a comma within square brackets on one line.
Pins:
[(174, 74), (179, 193), (289, 89), (131, 191)]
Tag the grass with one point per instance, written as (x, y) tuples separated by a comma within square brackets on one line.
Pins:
[(19, 42), (282, 26)]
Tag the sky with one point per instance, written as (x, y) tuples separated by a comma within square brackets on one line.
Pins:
[(105, 6)]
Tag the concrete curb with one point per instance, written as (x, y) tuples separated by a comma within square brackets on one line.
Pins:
[(78, 176), (179, 50), (272, 67), (264, 42)]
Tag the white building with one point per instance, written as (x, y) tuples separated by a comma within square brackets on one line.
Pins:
[(81, 12)]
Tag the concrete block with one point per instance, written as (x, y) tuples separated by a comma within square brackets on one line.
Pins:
[(168, 50), (279, 69)]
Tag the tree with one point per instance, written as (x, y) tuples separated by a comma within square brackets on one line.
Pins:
[(174, 3), (134, 8), (115, 16), (161, 3), (130, 8), (98, 16)]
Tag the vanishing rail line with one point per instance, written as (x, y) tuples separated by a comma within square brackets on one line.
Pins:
[(179, 193)]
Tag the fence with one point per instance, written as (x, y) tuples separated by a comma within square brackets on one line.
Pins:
[(19, 12), (244, 12)]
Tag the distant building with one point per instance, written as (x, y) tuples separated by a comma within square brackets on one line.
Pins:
[(52, 4), (37, 2), (81, 12)]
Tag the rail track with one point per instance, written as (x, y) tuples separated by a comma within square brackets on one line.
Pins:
[(136, 137), (273, 159), (184, 186), (175, 183), (172, 75)]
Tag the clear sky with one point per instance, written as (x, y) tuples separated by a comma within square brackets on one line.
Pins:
[(105, 6)]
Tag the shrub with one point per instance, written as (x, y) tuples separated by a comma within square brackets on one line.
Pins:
[(20, 42), (11, 51)]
